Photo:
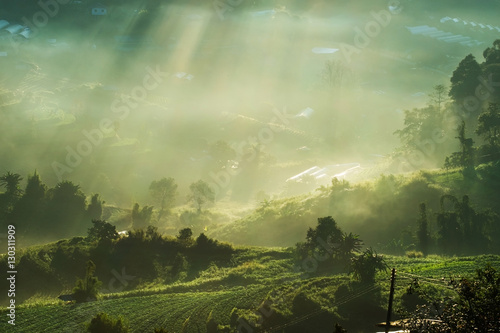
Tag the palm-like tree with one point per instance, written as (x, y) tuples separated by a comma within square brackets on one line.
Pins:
[(349, 245), (11, 183), (366, 265)]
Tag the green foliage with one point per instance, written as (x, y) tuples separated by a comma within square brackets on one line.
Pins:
[(462, 230), (415, 254), (101, 231), (465, 158), (489, 124), (464, 80), (185, 235), (141, 217), (423, 230), (66, 210), (87, 289), (211, 323), (164, 192), (365, 266), (11, 183), (201, 193), (103, 323), (94, 209), (475, 306), (160, 330)]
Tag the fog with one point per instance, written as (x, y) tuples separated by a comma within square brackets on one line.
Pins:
[(243, 98)]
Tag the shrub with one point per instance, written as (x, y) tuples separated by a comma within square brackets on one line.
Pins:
[(103, 323), (87, 289), (414, 254)]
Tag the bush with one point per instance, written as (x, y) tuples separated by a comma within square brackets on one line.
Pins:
[(87, 289), (103, 323), (414, 254)]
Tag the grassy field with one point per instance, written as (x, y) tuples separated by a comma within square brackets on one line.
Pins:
[(255, 275)]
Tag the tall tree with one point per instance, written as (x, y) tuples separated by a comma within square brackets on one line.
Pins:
[(465, 158), (465, 79), (141, 217), (31, 205), (423, 230), (164, 192), (66, 210), (438, 96), (94, 210), (11, 183), (201, 193), (489, 124)]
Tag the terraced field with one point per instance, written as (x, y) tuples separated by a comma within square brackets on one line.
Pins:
[(185, 308), (144, 313)]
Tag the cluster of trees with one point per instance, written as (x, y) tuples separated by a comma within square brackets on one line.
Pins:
[(470, 104), (49, 213), (474, 306), (329, 247), (462, 230), (62, 211), (140, 257)]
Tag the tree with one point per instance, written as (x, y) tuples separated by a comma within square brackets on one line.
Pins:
[(94, 210), (185, 235), (349, 245), (438, 96), (66, 210), (164, 192), (336, 75), (325, 238), (420, 125), (465, 158), (475, 306), (423, 232), (489, 124), (87, 289), (11, 183), (141, 217), (201, 193), (365, 266), (464, 80), (103, 323), (28, 209), (102, 231), (492, 54)]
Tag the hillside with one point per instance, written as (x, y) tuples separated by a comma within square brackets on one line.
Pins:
[(380, 211), (255, 276)]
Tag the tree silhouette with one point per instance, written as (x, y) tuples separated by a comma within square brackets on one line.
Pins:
[(30, 207), (66, 210), (423, 232), (141, 217), (465, 158), (94, 210), (365, 266), (87, 289), (489, 124), (201, 193), (464, 80), (164, 192), (11, 183), (438, 96), (101, 231)]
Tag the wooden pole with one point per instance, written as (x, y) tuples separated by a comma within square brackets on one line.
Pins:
[(391, 296)]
